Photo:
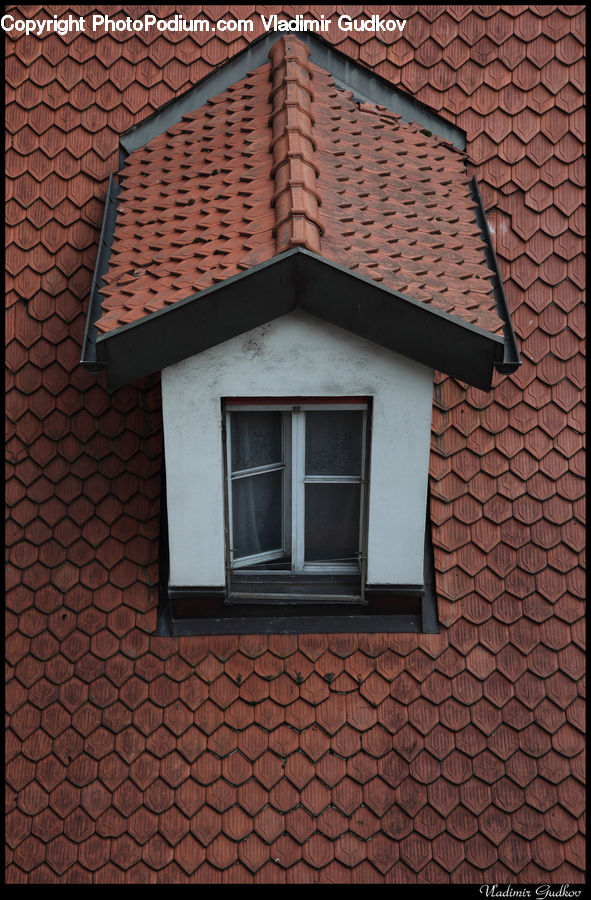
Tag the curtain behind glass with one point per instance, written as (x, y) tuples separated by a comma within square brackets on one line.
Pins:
[(257, 514)]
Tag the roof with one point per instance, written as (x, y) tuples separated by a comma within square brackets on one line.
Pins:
[(283, 159), (484, 724)]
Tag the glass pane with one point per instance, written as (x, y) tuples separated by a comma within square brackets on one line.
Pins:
[(333, 442), (257, 514), (332, 522), (256, 439)]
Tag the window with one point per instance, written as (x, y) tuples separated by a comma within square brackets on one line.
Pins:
[(296, 498)]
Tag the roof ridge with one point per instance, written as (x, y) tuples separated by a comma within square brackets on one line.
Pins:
[(296, 199)]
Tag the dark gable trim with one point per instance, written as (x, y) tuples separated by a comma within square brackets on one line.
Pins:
[(89, 354), (348, 75), (199, 322), (511, 358), (398, 322), (304, 280)]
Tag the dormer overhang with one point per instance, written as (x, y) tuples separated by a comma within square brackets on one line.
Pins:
[(300, 279)]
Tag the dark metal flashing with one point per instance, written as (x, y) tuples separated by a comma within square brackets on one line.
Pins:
[(163, 549), (348, 75), (511, 359), (300, 279), (429, 618), (203, 610), (89, 350), (217, 602), (332, 624)]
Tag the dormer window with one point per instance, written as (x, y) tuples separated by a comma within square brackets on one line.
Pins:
[(296, 262), (306, 501)]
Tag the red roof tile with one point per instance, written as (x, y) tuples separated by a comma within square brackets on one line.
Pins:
[(294, 198)]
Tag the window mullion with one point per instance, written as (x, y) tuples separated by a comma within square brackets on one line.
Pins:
[(298, 445)]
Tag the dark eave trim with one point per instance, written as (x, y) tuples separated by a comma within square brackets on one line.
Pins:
[(199, 322), (511, 359), (348, 75), (89, 352), (397, 322), (304, 280)]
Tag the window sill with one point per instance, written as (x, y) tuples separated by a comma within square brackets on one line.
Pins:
[(294, 588)]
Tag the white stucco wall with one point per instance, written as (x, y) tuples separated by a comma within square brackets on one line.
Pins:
[(297, 355)]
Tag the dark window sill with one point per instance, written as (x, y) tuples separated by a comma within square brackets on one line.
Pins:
[(293, 625), (395, 608)]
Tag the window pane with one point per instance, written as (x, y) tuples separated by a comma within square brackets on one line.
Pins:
[(332, 522), (257, 514), (256, 439), (334, 442)]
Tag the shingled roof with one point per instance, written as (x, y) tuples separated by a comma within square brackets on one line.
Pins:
[(282, 159), (458, 757)]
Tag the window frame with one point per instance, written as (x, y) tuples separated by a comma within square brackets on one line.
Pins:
[(295, 479), (230, 477)]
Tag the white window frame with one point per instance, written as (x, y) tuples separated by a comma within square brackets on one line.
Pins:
[(294, 488)]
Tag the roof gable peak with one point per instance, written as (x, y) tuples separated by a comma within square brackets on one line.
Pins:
[(366, 86)]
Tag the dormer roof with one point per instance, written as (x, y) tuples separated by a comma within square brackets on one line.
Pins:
[(321, 199)]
